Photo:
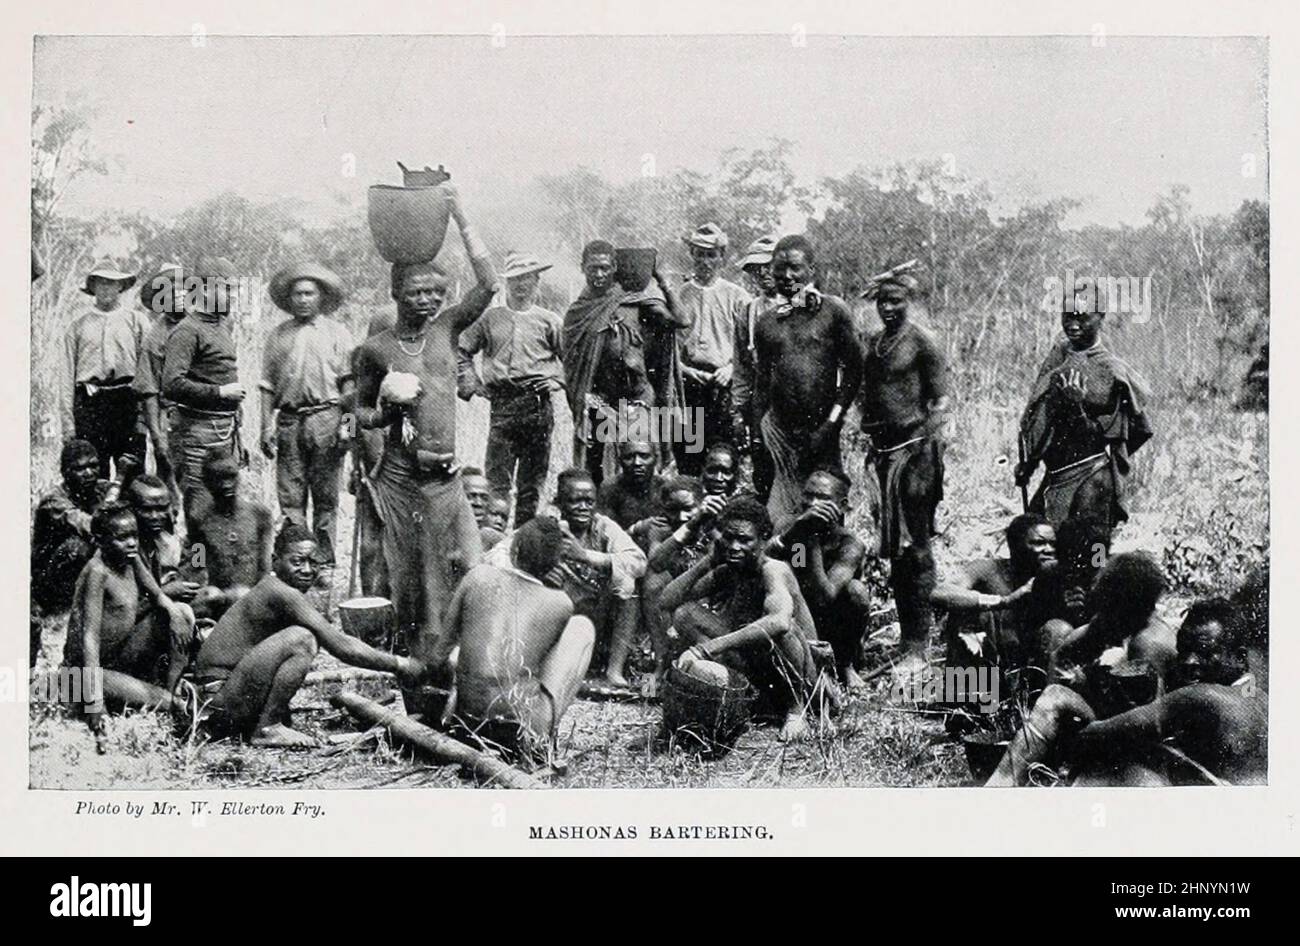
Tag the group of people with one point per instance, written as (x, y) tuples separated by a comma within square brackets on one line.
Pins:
[(719, 536)]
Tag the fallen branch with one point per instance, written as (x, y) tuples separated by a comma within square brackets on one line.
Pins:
[(439, 746), (345, 675)]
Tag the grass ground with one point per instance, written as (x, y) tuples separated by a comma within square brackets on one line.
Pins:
[(1199, 501)]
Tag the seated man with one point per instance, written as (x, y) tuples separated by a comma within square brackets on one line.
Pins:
[(479, 494), (62, 543), (498, 514), (523, 652), (160, 549), (259, 653), (742, 609), (599, 569), (125, 653), (1212, 725), (229, 538), (633, 495), (1059, 600), (1124, 631), (984, 599), (827, 560), (721, 470)]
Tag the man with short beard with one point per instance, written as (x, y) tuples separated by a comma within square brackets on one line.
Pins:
[(406, 384), (306, 376), (522, 362)]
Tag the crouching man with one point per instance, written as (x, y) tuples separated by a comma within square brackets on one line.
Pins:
[(259, 653), (523, 652), (739, 608)]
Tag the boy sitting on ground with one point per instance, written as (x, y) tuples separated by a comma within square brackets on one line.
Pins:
[(228, 537), (258, 655)]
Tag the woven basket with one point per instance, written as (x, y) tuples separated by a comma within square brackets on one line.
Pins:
[(408, 223), (713, 713)]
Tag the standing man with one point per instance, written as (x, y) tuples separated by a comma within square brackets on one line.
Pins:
[(163, 296), (714, 307), (522, 364), (757, 267), (808, 366), (1085, 418), (604, 341), (306, 374), (904, 404), (201, 377), (101, 350), (406, 383)]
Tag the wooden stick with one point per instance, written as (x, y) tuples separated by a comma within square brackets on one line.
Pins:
[(442, 748), (345, 675)]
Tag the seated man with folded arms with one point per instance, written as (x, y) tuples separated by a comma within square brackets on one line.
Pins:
[(523, 652), (742, 609), (1211, 726), (127, 641), (827, 559), (258, 655), (599, 569), (229, 538), (633, 495)]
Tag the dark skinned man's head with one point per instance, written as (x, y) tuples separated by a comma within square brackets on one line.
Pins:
[(1210, 650), (760, 276), (598, 266), (680, 497), (719, 474), (636, 460), (793, 264), (1031, 544), (114, 529), (419, 289), (826, 486), (1126, 592), (152, 503), (743, 528), (535, 547), (1081, 321), (891, 305), (575, 497), (477, 490), (305, 299), (498, 513), (79, 463), (295, 557), (221, 476)]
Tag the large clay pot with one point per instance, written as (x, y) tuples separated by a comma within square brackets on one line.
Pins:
[(408, 223), (372, 620)]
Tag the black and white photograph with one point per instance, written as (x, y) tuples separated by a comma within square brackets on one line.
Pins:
[(781, 410)]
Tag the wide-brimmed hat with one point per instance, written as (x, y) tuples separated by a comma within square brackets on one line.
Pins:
[(521, 264), (159, 281), (331, 287), (709, 237), (213, 267), (106, 270), (760, 252)]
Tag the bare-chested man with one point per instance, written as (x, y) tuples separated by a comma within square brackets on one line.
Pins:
[(904, 404), (741, 609), (1212, 725), (808, 366), (523, 652), (721, 472), (406, 384), (1086, 416), (258, 655), (126, 640), (228, 537), (633, 495), (478, 491), (827, 559)]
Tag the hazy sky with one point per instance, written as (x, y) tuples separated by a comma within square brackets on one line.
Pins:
[(1035, 117)]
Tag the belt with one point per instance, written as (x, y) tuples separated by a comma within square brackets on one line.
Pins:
[(1078, 463), (202, 412), (96, 387), (307, 409)]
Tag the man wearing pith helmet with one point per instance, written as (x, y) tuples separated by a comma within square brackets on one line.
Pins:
[(306, 374)]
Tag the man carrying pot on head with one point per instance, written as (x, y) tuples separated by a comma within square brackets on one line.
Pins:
[(201, 376), (406, 385), (306, 373), (101, 350), (522, 364), (714, 307)]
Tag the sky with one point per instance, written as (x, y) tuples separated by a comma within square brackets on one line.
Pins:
[(320, 118)]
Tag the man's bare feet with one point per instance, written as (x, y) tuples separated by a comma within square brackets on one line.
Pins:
[(795, 727), (616, 679), (853, 682), (280, 736)]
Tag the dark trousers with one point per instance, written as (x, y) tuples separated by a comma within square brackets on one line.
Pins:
[(109, 420), (710, 404), (189, 440), (519, 447), (307, 462)]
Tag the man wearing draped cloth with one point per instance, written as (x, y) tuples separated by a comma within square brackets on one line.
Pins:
[(619, 358), (428, 534), (1085, 418)]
